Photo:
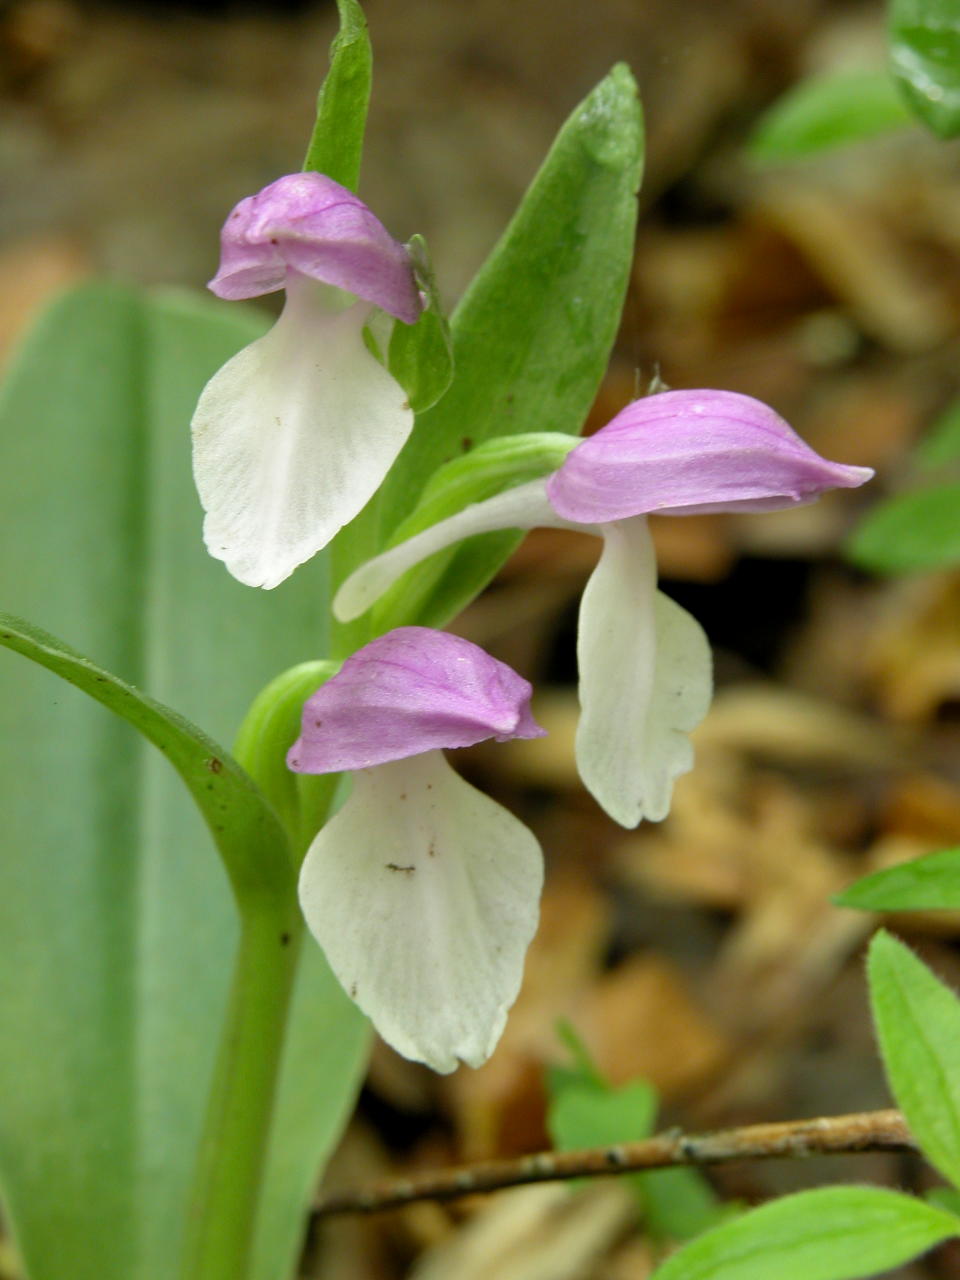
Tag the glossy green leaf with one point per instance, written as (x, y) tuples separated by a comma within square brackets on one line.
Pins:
[(421, 354), (488, 469), (925, 53), (336, 145), (926, 883), (828, 111), (116, 919), (912, 531), (834, 1233), (918, 1026), (533, 333)]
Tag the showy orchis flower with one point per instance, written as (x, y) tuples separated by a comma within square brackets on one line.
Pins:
[(645, 671), (422, 892), (297, 431)]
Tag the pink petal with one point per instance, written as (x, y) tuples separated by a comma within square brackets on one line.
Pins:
[(410, 691), (685, 452), (308, 223)]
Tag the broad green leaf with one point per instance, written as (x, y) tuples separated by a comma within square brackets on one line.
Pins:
[(336, 145), (834, 1233), (253, 845), (116, 920), (942, 444), (918, 1026), (828, 111), (926, 883), (533, 333), (910, 532), (495, 465), (925, 53), (421, 354)]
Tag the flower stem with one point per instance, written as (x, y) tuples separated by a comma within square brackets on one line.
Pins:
[(229, 1173)]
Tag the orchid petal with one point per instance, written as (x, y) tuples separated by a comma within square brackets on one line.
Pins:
[(423, 893), (687, 452), (645, 681), (309, 224), (523, 507), (292, 437), (409, 691)]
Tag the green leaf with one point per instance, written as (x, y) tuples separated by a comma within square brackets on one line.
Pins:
[(582, 1115), (829, 111), (833, 1233), (918, 1026), (117, 925), (336, 145), (910, 532), (533, 333), (421, 354), (241, 823), (944, 1198), (490, 468), (680, 1204), (931, 882), (942, 444), (585, 1111), (925, 53)]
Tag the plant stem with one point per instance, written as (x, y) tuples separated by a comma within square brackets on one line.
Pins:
[(226, 1193)]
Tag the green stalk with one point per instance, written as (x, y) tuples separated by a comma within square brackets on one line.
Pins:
[(233, 1149)]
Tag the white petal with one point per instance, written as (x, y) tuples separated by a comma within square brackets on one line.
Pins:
[(292, 437), (424, 895), (523, 507), (645, 681)]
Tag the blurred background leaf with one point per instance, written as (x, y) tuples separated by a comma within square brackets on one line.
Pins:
[(829, 111), (925, 52)]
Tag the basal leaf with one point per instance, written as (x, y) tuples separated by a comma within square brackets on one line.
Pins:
[(116, 919), (253, 845)]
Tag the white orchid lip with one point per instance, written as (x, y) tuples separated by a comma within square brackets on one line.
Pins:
[(294, 435), (422, 892), (424, 895)]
